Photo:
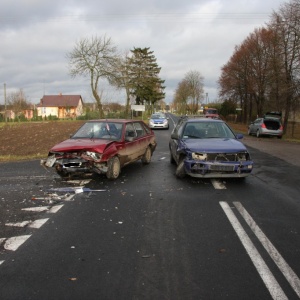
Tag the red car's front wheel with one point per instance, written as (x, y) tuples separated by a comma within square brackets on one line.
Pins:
[(113, 168)]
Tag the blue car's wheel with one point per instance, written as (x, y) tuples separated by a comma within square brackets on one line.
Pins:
[(180, 170)]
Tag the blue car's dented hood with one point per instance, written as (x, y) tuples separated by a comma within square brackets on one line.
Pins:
[(213, 145)]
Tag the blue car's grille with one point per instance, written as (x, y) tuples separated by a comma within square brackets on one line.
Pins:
[(222, 168)]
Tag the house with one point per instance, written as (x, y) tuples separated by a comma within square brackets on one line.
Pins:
[(60, 106), (7, 114)]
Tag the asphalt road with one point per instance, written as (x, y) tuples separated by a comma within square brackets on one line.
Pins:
[(148, 235)]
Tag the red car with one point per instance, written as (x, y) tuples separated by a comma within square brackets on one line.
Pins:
[(102, 147)]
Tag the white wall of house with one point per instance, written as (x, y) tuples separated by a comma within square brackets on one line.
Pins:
[(79, 109), (47, 111)]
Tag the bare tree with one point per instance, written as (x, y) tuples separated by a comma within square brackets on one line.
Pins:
[(194, 80), (95, 57), (18, 102), (286, 25), (120, 79), (181, 97)]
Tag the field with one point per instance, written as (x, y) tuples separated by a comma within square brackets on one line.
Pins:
[(32, 140)]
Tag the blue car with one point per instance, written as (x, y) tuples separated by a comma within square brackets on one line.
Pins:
[(208, 148)]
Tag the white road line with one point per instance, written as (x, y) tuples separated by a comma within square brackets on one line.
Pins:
[(14, 243), (286, 270), (260, 265), (18, 224), (2, 240), (38, 223), (2, 261), (218, 185), (54, 209), (36, 209)]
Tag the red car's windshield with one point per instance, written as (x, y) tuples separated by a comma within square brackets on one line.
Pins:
[(100, 130)]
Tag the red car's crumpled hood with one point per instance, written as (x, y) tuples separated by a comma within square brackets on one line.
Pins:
[(94, 145)]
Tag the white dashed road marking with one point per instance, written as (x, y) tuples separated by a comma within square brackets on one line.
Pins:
[(54, 209), (36, 209), (38, 223), (14, 243), (18, 224), (218, 184)]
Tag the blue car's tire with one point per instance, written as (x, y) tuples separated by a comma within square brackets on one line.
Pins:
[(180, 170)]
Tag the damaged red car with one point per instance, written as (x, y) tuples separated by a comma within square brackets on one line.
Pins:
[(102, 147)]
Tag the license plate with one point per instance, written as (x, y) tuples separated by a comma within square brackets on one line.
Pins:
[(224, 168)]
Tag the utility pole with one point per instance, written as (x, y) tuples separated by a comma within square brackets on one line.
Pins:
[(5, 102)]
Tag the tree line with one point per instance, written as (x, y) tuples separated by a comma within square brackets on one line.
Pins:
[(137, 72), (264, 71)]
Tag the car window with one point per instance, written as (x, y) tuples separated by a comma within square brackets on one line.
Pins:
[(146, 128), (130, 131), (140, 131)]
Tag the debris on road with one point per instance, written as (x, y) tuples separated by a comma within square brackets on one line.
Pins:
[(75, 190)]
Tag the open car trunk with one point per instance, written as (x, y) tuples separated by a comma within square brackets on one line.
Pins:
[(272, 124)]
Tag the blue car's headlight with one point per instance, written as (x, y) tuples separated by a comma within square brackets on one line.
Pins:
[(199, 156)]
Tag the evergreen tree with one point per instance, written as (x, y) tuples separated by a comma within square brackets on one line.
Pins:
[(144, 81)]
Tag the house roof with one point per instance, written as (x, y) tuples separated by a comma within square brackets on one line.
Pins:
[(59, 100)]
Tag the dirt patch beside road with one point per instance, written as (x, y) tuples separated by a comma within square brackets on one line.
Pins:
[(33, 139)]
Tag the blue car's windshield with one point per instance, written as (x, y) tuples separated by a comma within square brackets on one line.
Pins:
[(205, 130)]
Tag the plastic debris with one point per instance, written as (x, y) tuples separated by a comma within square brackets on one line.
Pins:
[(75, 190)]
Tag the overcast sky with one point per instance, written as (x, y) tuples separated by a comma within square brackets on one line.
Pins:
[(198, 35)]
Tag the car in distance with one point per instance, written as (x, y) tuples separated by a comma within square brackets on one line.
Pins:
[(208, 148), (102, 147), (211, 113), (269, 125), (159, 120)]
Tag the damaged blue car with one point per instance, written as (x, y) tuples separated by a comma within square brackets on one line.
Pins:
[(208, 148)]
